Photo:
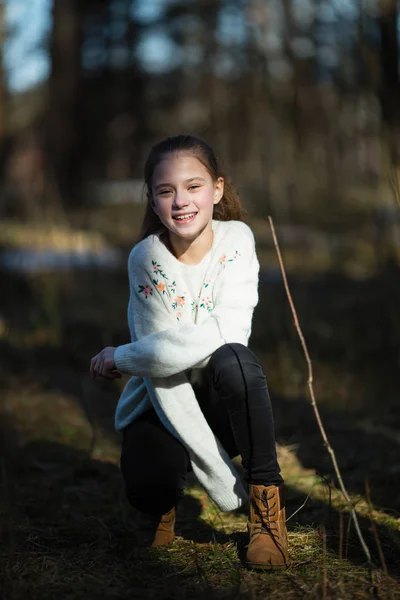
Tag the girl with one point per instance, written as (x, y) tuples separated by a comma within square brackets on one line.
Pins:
[(197, 396)]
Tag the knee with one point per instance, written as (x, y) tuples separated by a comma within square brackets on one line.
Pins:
[(151, 488), (152, 499), (233, 361), (228, 355)]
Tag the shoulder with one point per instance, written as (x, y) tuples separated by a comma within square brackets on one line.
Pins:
[(236, 232), (141, 253)]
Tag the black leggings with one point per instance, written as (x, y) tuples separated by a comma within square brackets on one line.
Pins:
[(236, 404)]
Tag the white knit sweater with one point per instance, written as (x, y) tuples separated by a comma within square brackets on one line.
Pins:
[(178, 316)]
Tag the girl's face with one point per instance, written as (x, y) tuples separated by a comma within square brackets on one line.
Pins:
[(184, 195)]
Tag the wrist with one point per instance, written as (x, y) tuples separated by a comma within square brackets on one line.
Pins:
[(120, 358)]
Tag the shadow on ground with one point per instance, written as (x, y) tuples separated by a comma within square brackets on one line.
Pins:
[(68, 527), (67, 530)]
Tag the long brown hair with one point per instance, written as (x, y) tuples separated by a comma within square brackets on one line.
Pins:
[(228, 208)]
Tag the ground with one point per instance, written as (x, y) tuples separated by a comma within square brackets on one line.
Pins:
[(67, 530)]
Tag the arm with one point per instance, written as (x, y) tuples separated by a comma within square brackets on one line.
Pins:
[(165, 348)]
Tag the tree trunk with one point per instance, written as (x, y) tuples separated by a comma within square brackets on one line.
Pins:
[(3, 98), (62, 126), (390, 81)]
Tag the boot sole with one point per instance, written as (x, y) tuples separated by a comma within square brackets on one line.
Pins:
[(160, 545), (266, 567)]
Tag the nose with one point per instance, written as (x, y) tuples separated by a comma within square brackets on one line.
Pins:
[(181, 199)]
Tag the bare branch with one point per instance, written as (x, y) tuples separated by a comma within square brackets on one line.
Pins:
[(394, 179), (313, 400), (374, 529)]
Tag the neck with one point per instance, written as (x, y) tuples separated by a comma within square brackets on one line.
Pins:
[(191, 252)]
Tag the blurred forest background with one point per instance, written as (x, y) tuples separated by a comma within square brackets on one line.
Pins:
[(301, 101)]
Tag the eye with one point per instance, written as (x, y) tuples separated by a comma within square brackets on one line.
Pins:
[(194, 187), (164, 192)]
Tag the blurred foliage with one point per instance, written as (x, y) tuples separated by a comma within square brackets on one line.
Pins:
[(300, 99)]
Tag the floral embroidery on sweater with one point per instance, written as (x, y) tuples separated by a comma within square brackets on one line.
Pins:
[(172, 287), (178, 301), (160, 286), (157, 270), (146, 290), (206, 302), (223, 259), (203, 301)]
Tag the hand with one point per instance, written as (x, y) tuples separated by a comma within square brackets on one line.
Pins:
[(103, 365)]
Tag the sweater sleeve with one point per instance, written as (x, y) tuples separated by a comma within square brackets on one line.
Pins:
[(164, 346)]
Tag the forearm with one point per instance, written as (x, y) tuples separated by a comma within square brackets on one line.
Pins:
[(171, 351), (165, 347)]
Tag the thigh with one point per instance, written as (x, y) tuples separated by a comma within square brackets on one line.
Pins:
[(216, 413), (153, 461), (236, 373)]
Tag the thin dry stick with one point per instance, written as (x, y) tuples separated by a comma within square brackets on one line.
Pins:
[(346, 549), (312, 395), (303, 505), (374, 528), (340, 534), (394, 177), (324, 575)]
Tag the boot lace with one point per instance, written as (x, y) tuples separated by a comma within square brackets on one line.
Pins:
[(267, 522)]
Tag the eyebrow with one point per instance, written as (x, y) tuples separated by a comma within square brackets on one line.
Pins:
[(186, 181)]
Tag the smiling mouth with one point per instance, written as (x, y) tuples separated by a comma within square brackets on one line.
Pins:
[(187, 217)]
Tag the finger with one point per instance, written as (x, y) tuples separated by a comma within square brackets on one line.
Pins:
[(96, 368), (108, 365), (115, 374), (100, 367), (111, 375), (94, 364), (92, 368), (107, 372)]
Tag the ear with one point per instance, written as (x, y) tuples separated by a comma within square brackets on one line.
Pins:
[(218, 189)]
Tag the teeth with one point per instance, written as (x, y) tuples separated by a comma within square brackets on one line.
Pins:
[(183, 218)]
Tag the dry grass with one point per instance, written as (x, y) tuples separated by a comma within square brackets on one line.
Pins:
[(50, 236), (67, 531), (66, 528)]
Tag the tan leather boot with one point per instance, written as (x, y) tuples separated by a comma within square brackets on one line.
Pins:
[(267, 548), (156, 530)]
